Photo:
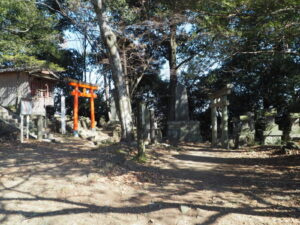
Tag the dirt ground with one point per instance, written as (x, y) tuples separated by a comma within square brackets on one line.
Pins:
[(74, 183)]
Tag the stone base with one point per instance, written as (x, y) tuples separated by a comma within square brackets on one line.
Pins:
[(273, 133), (246, 139), (272, 137), (272, 140), (184, 131), (295, 135)]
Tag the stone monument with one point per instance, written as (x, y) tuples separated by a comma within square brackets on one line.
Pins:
[(182, 104), (247, 133), (271, 134), (145, 121), (183, 129), (151, 132), (295, 125)]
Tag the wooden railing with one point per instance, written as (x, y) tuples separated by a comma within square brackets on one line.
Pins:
[(45, 96)]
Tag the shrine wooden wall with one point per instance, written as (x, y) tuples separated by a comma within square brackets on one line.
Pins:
[(12, 86)]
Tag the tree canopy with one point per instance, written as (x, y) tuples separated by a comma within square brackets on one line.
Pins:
[(28, 35), (253, 44)]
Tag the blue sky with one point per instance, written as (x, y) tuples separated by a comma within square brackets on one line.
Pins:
[(73, 40)]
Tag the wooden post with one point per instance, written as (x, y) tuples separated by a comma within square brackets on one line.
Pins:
[(92, 110), (27, 127), (75, 112), (22, 129), (214, 125)]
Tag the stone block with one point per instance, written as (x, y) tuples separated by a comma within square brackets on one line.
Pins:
[(247, 138), (181, 104), (271, 135), (184, 131), (272, 140)]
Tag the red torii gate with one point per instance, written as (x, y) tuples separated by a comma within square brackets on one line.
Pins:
[(90, 94)]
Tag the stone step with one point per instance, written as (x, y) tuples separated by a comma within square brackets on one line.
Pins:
[(13, 120), (17, 127)]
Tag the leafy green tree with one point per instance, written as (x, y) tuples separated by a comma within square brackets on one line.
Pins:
[(28, 36), (256, 47)]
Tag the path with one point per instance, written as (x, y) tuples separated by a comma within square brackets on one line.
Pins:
[(67, 183)]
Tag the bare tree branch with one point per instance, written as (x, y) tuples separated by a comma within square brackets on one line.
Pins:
[(17, 31), (268, 52)]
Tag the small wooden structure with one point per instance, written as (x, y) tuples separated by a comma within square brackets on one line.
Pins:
[(219, 100), (28, 91), (88, 92), (30, 83)]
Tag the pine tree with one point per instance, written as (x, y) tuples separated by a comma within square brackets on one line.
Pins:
[(28, 36)]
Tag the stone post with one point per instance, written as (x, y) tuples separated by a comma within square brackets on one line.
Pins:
[(224, 136), (152, 127), (147, 124), (63, 114), (27, 127), (214, 125), (22, 129)]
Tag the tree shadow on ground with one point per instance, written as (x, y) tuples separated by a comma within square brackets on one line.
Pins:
[(229, 174), (277, 163), (206, 148), (79, 207)]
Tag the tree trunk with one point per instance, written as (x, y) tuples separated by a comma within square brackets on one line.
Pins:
[(106, 94), (84, 54), (173, 72), (110, 41), (125, 70)]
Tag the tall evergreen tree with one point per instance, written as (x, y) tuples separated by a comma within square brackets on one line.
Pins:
[(28, 36)]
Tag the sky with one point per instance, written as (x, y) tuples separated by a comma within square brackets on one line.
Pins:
[(73, 40)]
